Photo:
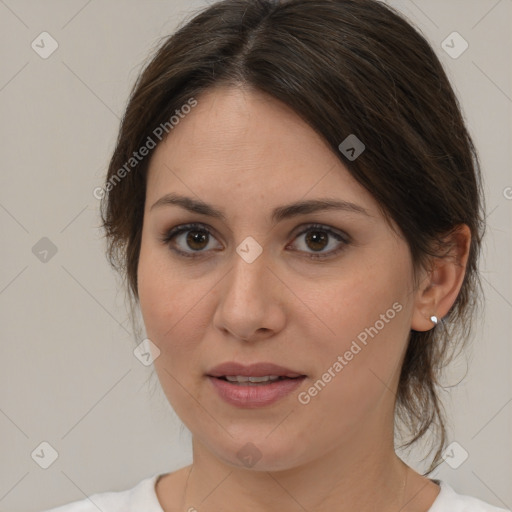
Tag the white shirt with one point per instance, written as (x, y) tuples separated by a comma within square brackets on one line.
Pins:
[(143, 498)]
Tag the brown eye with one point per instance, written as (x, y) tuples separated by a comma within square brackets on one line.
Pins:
[(196, 239), (192, 245), (318, 238)]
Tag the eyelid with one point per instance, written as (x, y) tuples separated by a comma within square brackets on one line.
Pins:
[(308, 226)]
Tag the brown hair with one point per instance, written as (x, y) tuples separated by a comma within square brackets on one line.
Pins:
[(345, 67)]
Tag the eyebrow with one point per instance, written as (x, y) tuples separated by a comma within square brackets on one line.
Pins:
[(278, 214)]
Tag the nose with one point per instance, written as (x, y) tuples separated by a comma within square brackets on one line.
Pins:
[(251, 300)]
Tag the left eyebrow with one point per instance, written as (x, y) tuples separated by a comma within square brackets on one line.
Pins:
[(278, 214), (315, 205)]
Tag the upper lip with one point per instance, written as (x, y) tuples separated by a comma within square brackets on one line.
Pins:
[(252, 370)]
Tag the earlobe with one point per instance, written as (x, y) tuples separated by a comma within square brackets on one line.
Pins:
[(440, 288)]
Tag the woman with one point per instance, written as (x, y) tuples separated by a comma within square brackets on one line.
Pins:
[(295, 202)]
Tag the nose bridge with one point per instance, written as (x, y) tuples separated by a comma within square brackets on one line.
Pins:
[(246, 291), (249, 268)]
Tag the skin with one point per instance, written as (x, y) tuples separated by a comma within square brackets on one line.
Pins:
[(246, 153)]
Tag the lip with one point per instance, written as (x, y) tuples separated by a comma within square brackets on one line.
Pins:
[(253, 370), (251, 397)]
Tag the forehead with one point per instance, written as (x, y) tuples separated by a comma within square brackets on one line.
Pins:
[(246, 142), (230, 122)]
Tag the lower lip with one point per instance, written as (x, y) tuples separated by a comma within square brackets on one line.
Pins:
[(254, 396)]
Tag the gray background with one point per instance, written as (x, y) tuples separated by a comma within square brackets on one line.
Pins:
[(68, 373)]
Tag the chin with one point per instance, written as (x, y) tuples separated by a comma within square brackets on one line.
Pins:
[(260, 455)]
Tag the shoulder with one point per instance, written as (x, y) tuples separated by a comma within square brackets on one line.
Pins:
[(449, 500), (142, 495)]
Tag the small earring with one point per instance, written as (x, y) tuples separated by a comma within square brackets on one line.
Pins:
[(434, 319)]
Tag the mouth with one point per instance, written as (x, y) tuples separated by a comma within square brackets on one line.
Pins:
[(241, 380), (254, 385), (255, 372)]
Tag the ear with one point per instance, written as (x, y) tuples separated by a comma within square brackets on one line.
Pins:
[(440, 287)]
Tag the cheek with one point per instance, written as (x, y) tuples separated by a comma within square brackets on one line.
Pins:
[(153, 298), (161, 289), (354, 385), (159, 297), (368, 322), (171, 316), (173, 307)]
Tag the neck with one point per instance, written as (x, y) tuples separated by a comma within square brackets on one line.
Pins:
[(344, 479)]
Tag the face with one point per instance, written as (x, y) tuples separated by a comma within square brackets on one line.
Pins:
[(328, 297)]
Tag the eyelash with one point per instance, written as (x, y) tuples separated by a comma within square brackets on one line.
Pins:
[(174, 232)]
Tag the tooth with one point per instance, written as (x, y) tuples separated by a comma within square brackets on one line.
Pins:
[(258, 379), (237, 378), (240, 378)]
